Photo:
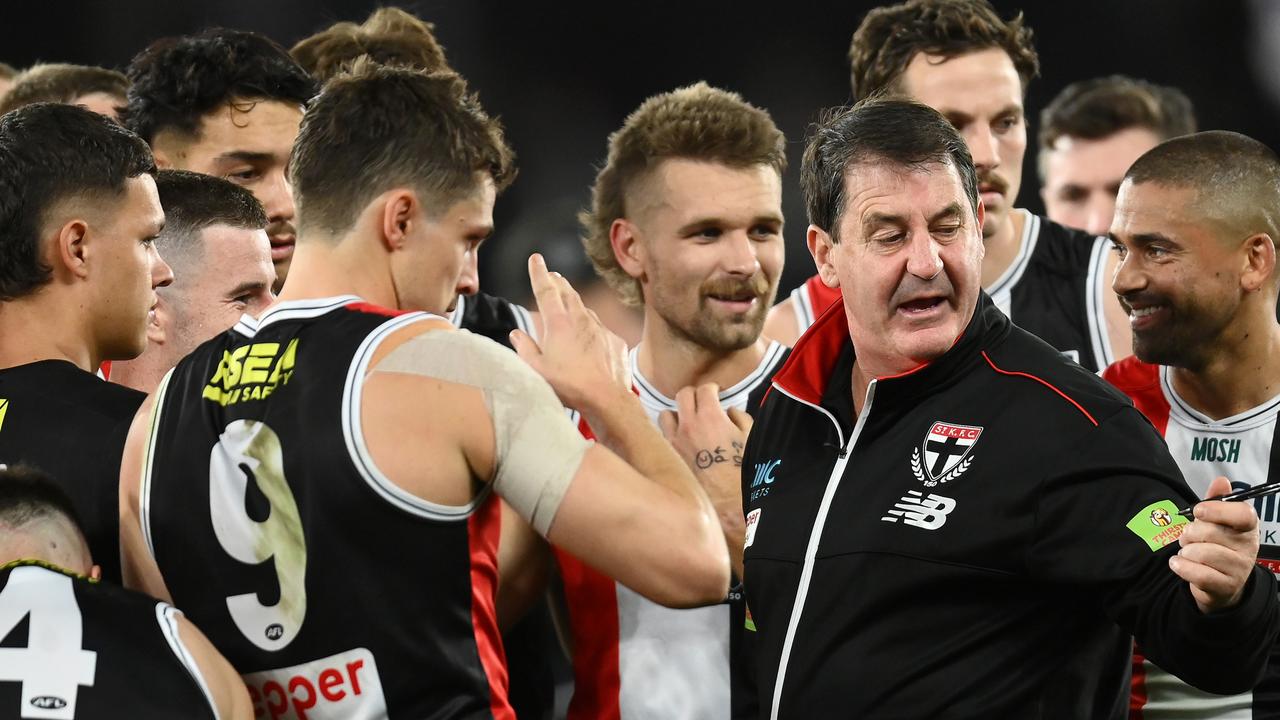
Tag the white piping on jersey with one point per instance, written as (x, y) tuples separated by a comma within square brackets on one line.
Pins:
[(524, 320), (167, 616), (1096, 291), (802, 306), (815, 537), (459, 310), (149, 454), (292, 310), (819, 408), (736, 395), (1187, 416), (353, 434), (1001, 291)]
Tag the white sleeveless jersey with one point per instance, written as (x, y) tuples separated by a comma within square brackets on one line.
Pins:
[(1243, 449)]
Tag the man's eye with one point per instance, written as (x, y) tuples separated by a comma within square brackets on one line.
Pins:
[(243, 175)]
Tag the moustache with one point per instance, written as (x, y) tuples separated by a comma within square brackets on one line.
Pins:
[(989, 180), (278, 228), (1143, 298), (737, 288)]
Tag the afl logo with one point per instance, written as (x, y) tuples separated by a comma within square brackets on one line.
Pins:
[(48, 702), (275, 631), (1160, 517)]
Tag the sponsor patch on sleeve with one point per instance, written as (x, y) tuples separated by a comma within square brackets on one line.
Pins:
[(753, 519), (1158, 524)]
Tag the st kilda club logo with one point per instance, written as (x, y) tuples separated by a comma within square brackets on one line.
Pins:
[(945, 453)]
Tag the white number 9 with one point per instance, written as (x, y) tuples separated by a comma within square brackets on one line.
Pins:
[(249, 449)]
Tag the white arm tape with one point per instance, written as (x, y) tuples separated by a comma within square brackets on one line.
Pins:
[(538, 451)]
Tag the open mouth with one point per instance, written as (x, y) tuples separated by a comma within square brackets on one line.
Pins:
[(737, 302), (921, 306), (1144, 316)]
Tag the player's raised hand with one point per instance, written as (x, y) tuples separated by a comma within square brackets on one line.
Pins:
[(711, 442), (1219, 549), (578, 356)]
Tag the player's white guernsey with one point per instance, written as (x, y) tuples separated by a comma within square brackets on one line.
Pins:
[(1243, 449), (637, 660)]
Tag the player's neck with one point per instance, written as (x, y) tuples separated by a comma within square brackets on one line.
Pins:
[(1002, 247), (321, 269), (1242, 373), (671, 362), (46, 326)]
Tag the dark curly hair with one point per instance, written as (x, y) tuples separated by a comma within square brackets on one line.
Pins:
[(48, 153), (889, 37), (177, 81)]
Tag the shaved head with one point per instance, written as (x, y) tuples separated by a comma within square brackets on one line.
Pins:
[(1236, 180), (38, 522)]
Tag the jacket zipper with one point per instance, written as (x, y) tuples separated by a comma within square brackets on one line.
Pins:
[(815, 535)]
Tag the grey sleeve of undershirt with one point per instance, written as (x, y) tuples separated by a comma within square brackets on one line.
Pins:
[(538, 450)]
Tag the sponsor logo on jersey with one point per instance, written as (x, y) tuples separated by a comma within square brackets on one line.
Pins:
[(928, 512), (4, 408), (946, 452), (1215, 450), (764, 478), (753, 521), (1158, 524), (251, 372), (338, 687)]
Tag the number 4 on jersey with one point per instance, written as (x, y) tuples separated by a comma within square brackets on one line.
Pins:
[(53, 664)]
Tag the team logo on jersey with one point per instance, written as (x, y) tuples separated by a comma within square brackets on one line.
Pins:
[(946, 452), (916, 509), (4, 408)]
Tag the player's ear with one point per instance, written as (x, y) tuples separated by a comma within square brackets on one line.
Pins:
[(627, 248), (821, 245), (1259, 262), (398, 217), (70, 248)]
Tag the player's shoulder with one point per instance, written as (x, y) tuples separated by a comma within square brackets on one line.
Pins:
[(1132, 376), (1063, 246), (493, 317), (1037, 372), (62, 385)]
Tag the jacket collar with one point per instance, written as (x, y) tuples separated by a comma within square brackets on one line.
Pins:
[(807, 373)]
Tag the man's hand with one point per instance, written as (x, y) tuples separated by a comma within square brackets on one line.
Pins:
[(1219, 549), (711, 443), (579, 357)]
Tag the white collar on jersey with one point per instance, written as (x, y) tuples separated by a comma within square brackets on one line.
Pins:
[(735, 395), (1026, 248), (1181, 410)]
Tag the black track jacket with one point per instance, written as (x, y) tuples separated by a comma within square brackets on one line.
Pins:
[(983, 530)]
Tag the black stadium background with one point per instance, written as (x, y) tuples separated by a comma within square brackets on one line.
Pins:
[(564, 75)]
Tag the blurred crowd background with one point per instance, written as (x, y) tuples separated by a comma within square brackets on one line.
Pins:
[(563, 75)]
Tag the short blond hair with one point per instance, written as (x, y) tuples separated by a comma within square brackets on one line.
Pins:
[(698, 122)]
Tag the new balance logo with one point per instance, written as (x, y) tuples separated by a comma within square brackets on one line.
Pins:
[(929, 512)]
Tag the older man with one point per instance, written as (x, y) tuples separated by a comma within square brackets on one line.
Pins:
[(955, 512)]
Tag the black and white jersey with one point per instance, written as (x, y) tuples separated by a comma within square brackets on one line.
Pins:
[(71, 649), (327, 586), (72, 425), (1056, 289), (637, 660), (491, 316), (1242, 448)]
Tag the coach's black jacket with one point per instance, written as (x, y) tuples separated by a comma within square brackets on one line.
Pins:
[(964, 546)]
